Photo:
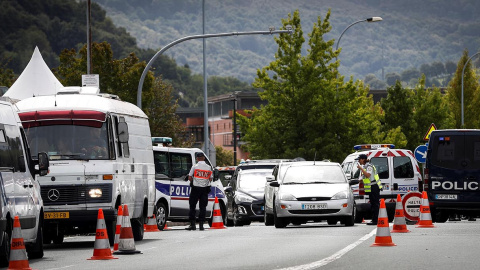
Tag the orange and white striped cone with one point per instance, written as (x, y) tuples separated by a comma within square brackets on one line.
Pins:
[(217, 220), (18, 254), (399, 223), (151, 225), (126, 245), (101, 249), (425, 220), (118, 227), (383, 237)]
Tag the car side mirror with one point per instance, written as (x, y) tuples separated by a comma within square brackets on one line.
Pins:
[(228, 189), (270, 178), (43, 164), (353, 182), (274, 184)]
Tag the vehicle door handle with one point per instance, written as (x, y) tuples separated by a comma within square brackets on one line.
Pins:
[(28, 186)]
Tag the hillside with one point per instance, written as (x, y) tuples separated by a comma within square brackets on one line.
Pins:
[(412, 32)]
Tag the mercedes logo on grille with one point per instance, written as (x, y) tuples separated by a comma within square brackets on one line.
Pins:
[(53, 194)]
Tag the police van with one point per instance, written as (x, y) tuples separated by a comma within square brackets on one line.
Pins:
[(101, 157), (172, 166), (398, 171), (452, 173), (19, 191)]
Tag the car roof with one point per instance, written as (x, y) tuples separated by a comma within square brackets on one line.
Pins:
[(315, 163)]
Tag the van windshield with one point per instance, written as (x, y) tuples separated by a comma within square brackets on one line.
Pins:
[(69, 141), (459, 151)]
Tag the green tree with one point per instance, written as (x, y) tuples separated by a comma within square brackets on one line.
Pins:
[(471, 95), (310, 112), (7, 77), (224, 157)]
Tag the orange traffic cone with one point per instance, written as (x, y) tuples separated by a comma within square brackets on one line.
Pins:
[(126, 244), (166, 227), (18, 254), (399, 223), (118, 227), (383, 237), (151, 225), (217, 220), (102, 249), (425, 220)]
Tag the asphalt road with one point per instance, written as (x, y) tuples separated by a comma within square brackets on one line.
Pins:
[(450, 245)]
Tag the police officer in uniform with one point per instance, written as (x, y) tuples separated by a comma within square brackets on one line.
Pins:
[(372, 185), (200, 177)]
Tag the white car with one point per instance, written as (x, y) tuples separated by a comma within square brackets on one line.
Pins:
[(304, 191)]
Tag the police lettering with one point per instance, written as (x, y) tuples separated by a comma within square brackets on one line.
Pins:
[(179, 190), (449, 185)]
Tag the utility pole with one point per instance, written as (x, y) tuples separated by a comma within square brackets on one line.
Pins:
[(89, 39)]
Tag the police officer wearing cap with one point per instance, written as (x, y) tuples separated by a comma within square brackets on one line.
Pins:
[(200, 177), (372, 185)]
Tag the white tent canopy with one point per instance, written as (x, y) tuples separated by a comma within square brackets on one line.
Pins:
[(36, 80)]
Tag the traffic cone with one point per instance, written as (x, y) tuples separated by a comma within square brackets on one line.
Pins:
[(399, 223), (118, 227), (126, 244), (151, 225), (383, 237), (101, 249), (217, 220), (425, 220), (18, 254)]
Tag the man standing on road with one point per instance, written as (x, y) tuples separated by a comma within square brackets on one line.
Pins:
[(200, 176), (372, 185)]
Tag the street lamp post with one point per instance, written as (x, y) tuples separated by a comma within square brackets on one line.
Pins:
[(235, 129), (372, 19), (272, 31), (463, 70)]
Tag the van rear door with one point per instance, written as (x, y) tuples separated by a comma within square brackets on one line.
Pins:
[(453, 162)]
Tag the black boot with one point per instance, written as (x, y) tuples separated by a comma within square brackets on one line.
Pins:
[(201, 226), (192, 226)]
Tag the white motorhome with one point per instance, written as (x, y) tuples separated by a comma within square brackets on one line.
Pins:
[(172, 165), (19, 192), (100, 157)]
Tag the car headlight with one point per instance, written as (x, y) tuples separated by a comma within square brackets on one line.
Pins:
[(287, 197), (95, 193), (340, 195), (244, 198)]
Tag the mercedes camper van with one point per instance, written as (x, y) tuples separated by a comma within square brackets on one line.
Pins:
[(100, 157)]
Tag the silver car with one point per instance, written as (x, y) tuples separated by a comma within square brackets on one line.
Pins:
[(299, 192)]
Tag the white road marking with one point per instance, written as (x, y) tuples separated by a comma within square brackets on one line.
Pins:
[(334, 257)]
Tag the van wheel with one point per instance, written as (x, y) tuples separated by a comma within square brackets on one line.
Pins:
[(161, 216), (137, 228), (6, 244), (36, 250)]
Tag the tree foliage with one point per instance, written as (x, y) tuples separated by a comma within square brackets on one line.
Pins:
[(224, 157)]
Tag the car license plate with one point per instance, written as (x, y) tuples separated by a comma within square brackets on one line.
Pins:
[(446, 196), (314, 206), (56, 215)]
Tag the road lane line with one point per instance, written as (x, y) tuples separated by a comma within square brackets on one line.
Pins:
[(332, 258)]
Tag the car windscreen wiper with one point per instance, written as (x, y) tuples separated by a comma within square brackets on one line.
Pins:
[(293, 183), (319, 182)]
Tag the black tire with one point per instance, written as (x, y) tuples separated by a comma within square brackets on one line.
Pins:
[(268, 219), (229, 222), (36, 250), (58, 239), (439, 216), (359, 217), (350, 221), (6, 245), (161, 215), (278, 221), (246, 223), (137, 228)]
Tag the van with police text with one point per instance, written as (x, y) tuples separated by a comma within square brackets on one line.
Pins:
[(101, 157), (172, 166), (397, 169), (452, 173)]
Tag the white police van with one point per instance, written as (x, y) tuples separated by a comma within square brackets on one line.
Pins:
[(172, 166), (19, 191), (398, 171)]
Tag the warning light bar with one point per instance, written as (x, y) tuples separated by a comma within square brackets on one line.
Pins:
[(444, 139), (373, 146)]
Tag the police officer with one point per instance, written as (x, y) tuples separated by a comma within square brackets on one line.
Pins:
[(200, 177), (372, 185)]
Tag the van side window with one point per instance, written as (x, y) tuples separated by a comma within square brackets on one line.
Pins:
[(381, 164), (119, 145), (123, 148), (111, 140), (181, 165), (402, 167), (11, 151), (161, 163)]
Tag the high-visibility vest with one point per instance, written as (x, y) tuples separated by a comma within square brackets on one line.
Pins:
[(368, 182)]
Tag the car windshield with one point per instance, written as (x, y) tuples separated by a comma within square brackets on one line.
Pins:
[(69, 141), (253, 180), (314, 174)]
